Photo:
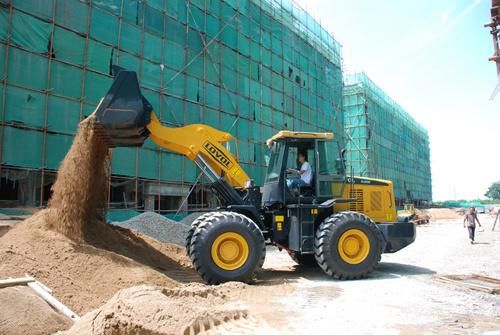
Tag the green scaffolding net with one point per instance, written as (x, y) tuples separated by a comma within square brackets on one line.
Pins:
[(249, 67), (384, 141)]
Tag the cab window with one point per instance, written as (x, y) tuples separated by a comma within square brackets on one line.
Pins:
[(328, 155), (292, 158), (330, 172), (275, 161)]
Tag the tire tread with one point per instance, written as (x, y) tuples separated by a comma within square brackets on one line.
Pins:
[(325, 232), (210, 222)]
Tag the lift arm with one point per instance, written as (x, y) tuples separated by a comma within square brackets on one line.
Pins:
[(125, 118), (201, 144)]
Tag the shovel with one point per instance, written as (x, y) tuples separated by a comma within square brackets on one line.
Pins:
[(124, 113)]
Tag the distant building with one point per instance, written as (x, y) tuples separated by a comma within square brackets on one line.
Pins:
[(384, 141)]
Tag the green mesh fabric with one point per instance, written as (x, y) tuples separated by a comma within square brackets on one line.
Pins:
[(384, 141), (251, 68)]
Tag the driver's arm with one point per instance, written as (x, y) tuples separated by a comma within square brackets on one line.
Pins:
[(294, 171), (302, 171)]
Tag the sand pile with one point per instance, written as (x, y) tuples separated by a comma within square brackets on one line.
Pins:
[(85, 261), (70, 249), (27, 313), (157, 226), (83, 275), (191, 309), (442, 214)]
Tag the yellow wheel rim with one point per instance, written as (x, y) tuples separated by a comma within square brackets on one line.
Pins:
[(354, 246), (230, 251)]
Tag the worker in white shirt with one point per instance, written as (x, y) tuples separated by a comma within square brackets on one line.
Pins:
[(305, 173)]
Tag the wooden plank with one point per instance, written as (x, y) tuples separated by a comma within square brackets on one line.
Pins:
[(42, 291), (44, 287), (16, 281), (59, 306), (473, 281)]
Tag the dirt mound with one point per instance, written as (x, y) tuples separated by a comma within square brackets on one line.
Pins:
[(83, 275), (157, 226), (70, 248), (186, 310), (442, 214), (28, 313)]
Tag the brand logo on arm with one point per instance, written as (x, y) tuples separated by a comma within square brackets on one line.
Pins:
[(218, 155)]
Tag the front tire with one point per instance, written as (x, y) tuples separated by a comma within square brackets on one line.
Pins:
[(227, 246), (195, 225), (348, 245)]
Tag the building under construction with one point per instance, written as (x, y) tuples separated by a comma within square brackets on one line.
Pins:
[(494, 25), (248, 67), (384, 141)]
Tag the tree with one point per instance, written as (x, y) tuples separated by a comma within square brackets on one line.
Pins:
[(494, 191)]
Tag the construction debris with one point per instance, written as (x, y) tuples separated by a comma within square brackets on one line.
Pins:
[(158, 227), (412, 214), (474, 282)]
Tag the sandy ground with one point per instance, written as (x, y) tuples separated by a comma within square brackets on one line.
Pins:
[(401, 297)]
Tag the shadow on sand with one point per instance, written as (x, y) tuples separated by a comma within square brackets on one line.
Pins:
[(385, 270), (124, 242)]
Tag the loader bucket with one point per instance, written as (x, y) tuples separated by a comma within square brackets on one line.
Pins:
[(124, 113)]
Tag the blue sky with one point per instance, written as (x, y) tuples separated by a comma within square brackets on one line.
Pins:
[(431, 56)]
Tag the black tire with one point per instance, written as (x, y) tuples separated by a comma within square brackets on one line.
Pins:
[(327, 240), (204, 236), (305, 260), (195, 225)]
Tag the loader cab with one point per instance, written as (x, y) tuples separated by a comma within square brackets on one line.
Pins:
[(322, 153)]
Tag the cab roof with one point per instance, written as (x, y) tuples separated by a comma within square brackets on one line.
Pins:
[(283, 134)]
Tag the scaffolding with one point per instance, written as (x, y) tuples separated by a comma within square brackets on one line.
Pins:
[(494, 25), (384, 141), (249, 67)]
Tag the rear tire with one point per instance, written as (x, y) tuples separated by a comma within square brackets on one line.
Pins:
[(227, 246), (348, 245), (305, 260)]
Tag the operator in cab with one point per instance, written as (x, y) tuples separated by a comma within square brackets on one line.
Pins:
[(305, 173)]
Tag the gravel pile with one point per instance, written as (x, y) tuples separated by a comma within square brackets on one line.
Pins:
[(191, 217), (157, 226)]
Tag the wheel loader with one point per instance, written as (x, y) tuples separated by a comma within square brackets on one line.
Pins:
[(338, 222)]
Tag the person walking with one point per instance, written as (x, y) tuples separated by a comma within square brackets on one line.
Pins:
[(471, 218)]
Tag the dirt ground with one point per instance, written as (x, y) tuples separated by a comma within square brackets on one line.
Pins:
[(401, 297)]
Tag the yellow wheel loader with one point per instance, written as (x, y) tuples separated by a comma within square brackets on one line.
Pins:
[(338, 222)]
